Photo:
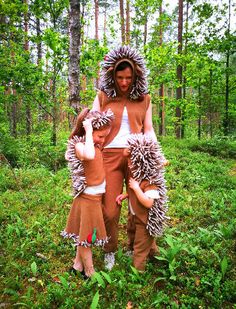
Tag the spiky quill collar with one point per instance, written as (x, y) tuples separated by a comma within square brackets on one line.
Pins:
[(101, 118), (107, 82), (75, 165), (147, 161)]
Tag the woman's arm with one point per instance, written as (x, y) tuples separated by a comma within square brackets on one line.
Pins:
[(96, 104), (147, 125)]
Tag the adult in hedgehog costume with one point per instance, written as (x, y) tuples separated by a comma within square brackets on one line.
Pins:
[(123, 89), (147, 196)]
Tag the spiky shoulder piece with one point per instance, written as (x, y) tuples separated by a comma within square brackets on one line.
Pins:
[(76, 166), (107, 83), (147, 163)]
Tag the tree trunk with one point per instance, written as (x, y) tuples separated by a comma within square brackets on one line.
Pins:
[(55, 110), (161, 90), (178, 113), (12, 111), (28, 116), (185, 69), (39, 44), (39, 58), (127, 22), (210, 104), (96, 18), (105, 27), (122, 22), (145, 31), (226, 116), (199, 111), (96, 35), (74, 55), (135, 29)]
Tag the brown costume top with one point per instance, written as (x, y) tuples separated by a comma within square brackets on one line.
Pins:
[(93, 169), (136, 112)]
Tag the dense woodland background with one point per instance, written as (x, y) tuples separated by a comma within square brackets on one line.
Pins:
[(50, 54)]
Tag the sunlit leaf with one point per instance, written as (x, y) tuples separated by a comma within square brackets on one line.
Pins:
[(95, 301), (34, 268), (224, 265)]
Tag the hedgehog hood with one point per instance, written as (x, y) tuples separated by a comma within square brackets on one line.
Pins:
[(109, 65), (100, 119)]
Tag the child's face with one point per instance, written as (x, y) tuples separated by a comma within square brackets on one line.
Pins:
[(100, 135)]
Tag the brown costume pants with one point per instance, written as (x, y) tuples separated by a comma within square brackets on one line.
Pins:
[(116, 169), (141, 242)]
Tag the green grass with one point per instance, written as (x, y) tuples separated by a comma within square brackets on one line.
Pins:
[(196, 264)]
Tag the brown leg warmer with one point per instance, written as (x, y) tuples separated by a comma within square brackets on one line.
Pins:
[(131, 231), (142, 245)]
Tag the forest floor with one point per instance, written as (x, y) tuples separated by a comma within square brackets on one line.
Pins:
[(196, 264)]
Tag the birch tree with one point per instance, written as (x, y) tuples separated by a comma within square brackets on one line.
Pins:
[(74, 54), (178, 113), (122, 22)]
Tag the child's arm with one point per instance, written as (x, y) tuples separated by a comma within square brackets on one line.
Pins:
[(143, 199), (121, 197), (86, 151)]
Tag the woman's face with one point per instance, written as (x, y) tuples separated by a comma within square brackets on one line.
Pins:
[(100, 135), (124, 79)]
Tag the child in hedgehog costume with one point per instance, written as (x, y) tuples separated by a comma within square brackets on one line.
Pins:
[(85, 223), (147, 196)]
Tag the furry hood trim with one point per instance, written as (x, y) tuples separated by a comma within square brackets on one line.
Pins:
[(147, 162), (109, 65)]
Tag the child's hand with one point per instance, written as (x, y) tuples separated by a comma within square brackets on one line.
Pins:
[(133, 184), (120, 198), (166, 163), (87, 124)]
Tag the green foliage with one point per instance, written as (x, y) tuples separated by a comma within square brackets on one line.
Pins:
[(194, 268), (35, 150), (217, 146), (95, 301)]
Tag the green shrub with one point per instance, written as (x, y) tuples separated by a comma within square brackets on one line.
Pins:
[(217, 146)]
